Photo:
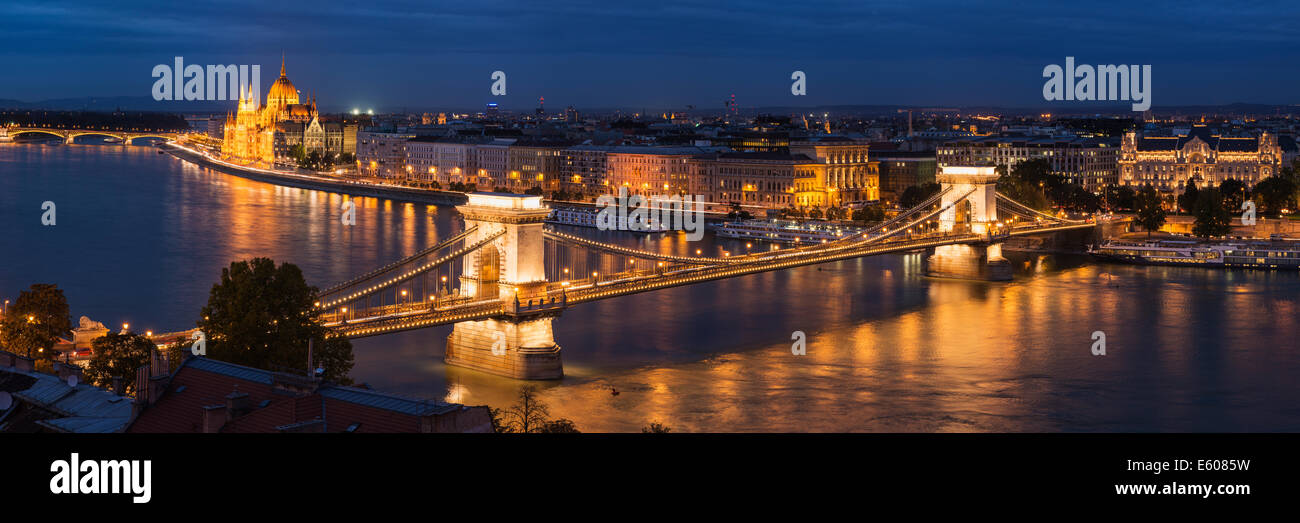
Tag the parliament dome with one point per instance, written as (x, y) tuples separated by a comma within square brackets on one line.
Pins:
[(282, 92)]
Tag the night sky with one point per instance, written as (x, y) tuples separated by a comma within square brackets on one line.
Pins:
[(660, 55)]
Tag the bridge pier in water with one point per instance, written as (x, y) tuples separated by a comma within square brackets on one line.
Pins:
[(520, 344), (976, 187), (969, 262)]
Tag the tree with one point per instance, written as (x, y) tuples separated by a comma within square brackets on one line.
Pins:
[(815, 213), (1212, 218), (34, 322), (914, 195), (1276, 193), (317, 161), (1031, 182), (298, 153), (499, 424), (262, 316), (868, 214), (1187, 200), (118, 356), (535, 191), (1234, 193), (655, 428), (1076, 198), (530, 415), (1150, 214), (1119, 198)]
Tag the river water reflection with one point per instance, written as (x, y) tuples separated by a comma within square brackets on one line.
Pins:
[(141, 237)]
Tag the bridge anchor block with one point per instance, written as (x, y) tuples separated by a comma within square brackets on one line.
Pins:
[(524, 350), (969, 262)]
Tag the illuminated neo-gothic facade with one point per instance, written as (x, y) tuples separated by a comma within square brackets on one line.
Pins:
[(250, 133), (1167, 163)]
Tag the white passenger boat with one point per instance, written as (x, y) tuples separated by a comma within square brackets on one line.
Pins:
[(1256, 254), (784, 231)]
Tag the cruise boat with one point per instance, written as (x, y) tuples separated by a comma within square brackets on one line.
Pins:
[(1253, 254), (784, 231), (586, 217)]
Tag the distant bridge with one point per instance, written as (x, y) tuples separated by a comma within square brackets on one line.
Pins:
[(510, 277), (69, 134)]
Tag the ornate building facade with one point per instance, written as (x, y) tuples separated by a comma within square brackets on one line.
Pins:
[(1168, 163), (250, 133), (844, 172)]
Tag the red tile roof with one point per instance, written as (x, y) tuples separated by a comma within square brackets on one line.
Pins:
[(201, 382)]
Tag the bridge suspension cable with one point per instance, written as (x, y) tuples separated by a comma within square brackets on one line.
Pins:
[(899, 218), (575, 240), (440, 246), (416, 271), (1015, 205)]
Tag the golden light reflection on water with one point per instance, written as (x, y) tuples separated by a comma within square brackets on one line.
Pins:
[(978, 357), (888, 349)]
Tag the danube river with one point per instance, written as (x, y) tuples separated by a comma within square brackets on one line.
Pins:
[(141, 237)]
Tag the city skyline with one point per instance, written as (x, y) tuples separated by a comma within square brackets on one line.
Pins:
[(660, 57), (1040, 250)]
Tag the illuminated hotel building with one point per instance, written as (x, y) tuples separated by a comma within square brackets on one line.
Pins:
[(1200, 156)]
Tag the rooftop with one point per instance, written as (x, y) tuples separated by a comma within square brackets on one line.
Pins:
[(46, 401), (279, 402)]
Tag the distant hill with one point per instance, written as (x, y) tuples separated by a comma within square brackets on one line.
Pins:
[(146, 103), (125, 103)]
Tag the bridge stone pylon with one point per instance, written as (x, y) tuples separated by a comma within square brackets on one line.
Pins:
[(510, 268), (981, 184), (969, 194)]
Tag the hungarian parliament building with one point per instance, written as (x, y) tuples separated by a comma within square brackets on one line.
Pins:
[(259, 134), (1168, 163)]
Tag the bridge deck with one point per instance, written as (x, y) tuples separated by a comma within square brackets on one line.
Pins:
[(395, 318)]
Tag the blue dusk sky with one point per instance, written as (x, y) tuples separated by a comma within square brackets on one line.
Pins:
[(393, 55)]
